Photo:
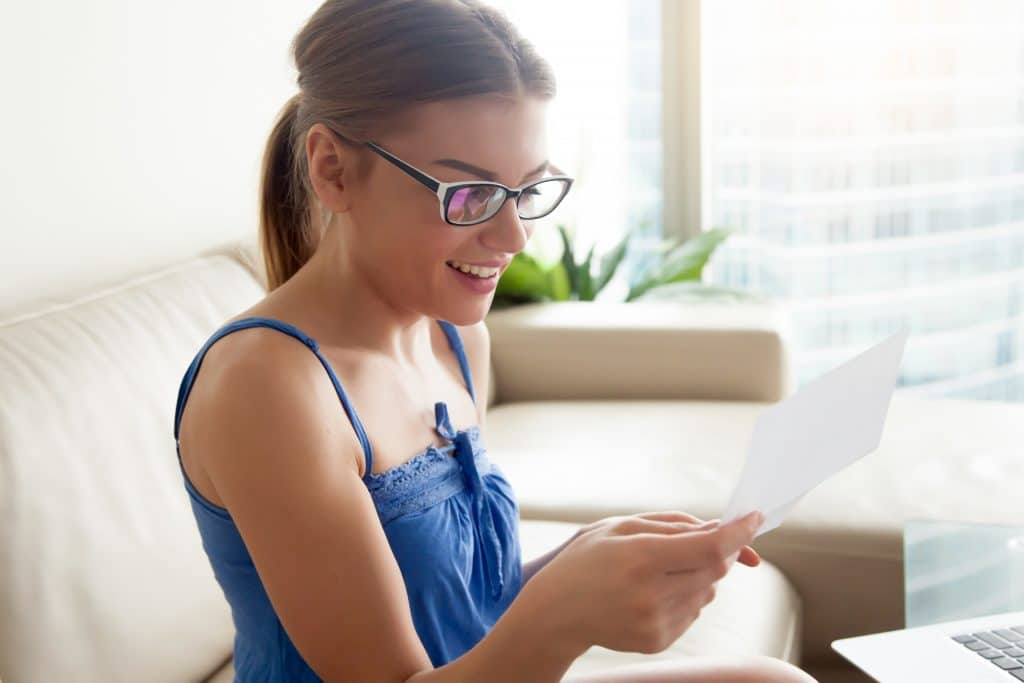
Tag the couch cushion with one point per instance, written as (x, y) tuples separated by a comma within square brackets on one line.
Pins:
[(102, 573), (841, 546), (755, 611)]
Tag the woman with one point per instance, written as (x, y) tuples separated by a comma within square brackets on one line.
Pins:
[(343, 557)]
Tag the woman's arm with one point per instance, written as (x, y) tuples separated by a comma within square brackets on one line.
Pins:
[(527, 643)]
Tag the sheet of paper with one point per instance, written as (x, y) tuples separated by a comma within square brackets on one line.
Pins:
[(822, 428)]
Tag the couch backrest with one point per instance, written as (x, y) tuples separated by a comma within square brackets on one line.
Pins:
[(102, 572)]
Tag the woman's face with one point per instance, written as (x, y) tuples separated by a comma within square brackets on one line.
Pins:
[(404, 246)]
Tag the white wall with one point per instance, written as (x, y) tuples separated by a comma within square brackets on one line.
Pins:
[(131, 133)]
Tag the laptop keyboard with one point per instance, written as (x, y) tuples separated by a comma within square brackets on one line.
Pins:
[(1004, 647)]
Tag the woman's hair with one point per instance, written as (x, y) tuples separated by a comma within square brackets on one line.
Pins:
[(362, 64)]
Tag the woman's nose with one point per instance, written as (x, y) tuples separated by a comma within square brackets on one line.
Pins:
[(505, 231)]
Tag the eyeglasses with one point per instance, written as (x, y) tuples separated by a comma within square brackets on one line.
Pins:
[(473, 202)]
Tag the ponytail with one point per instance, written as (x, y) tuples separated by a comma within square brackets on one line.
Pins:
[(285, 228)]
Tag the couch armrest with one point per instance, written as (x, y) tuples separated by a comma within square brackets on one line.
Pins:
[(640, 350)]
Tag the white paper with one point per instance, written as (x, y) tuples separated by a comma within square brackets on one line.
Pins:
[(825, 426)]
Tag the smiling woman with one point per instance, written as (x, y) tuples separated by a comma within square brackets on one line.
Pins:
[(332, 446)]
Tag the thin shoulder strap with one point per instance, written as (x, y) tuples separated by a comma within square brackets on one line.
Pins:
[(257, 321), (455, 342)]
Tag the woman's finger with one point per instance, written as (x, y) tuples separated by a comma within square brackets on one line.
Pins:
[(695, 549), (670, 516), (636, 524), (749, 557), (681, 581)]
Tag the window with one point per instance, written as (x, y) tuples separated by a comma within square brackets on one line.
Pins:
[(900, 124)]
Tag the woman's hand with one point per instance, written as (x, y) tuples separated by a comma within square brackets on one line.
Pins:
[(747, 556), (635, 583)]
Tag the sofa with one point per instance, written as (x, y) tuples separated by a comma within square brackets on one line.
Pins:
[(595, 409)]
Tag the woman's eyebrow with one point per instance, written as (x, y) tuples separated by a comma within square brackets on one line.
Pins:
[(483, 173)]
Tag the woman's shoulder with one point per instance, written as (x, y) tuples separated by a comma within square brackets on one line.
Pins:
[(263, 380), (257, 352)]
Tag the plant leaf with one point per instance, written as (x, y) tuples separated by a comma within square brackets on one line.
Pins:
[(569, 260), (558, 284), (684, 262), (525, 277), (652, 253), (610, 263), (586, 291)]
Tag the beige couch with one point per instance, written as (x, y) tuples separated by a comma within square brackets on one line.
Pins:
[(595, 410)]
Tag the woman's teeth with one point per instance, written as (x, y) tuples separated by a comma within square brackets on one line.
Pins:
[(473, 270)]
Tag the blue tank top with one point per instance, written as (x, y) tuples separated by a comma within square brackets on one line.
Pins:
[(449, 514)]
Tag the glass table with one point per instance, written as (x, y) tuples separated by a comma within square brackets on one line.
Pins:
[(959, 570)]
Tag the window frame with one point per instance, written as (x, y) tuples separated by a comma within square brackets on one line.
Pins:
[(684, 178)]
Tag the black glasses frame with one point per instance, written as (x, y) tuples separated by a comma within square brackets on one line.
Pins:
[(445, 191)]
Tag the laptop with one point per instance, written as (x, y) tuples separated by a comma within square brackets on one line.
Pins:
[(965, 651), (955, 571)]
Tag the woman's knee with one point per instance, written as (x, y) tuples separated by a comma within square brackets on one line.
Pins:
[(702, 669), (765, 669)]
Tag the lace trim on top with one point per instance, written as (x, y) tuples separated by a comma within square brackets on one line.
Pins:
[(427, 478)]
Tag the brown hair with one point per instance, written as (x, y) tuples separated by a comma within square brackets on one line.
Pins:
[(362, 64)]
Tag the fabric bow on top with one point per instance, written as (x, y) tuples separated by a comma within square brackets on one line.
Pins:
[(465, 455)]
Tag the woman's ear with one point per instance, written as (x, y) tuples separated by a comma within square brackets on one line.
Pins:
[(334, 168)]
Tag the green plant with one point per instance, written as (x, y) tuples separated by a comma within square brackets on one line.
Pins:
[(676, 272)]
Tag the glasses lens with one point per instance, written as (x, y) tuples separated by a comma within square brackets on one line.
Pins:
[(541, 198), (474, 203)]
